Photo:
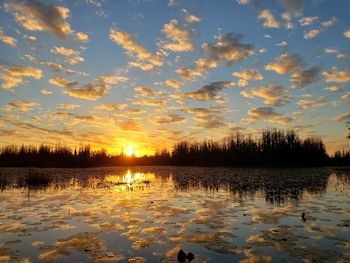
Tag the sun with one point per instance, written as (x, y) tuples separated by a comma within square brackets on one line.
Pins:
[(129, 151)]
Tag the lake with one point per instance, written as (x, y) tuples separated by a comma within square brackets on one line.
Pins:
[(147, 214)]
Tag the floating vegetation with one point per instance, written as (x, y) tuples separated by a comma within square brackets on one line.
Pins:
[(149, 214)]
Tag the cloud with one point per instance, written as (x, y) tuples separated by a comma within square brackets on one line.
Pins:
[(311, 102), (173, 83), (307, 21), (130, 125), (67, 106), (135, 111), (282, 44), (293, 7), (305, 77), (343, 56), (28, 126), (46, 92), (208, 92), (270, 20), (342, 117), (72, 56), (245, 75), (145, 60), (34, 15), (272, 94), (282, 120), (346, 97), (113, 80), (228, 48), (144, 91), (111, 107), (311, 33), (243, 2), (331, 50), (261, 113), (200, 70), (330, 22), (285, 64), (12, 42), (334, 89), (83, 37), (20, 106), (89, 91), (347, 33), (180, 37), (168, 119), (13, 76), (52, 66), (62, 82), (152, 103), (192, 18), (334, 75)]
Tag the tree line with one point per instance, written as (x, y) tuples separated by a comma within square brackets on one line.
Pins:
[(273, 148)]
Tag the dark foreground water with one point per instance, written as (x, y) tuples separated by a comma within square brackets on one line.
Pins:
[(146, 214)]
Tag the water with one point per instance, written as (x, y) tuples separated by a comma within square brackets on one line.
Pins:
[(148, 213)]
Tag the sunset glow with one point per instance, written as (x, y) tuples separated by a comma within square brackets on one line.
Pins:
[(152, 73), (129, 151)]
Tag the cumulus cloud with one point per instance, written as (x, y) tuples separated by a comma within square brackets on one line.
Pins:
[(330, 22), (282, 44), (12, 42), (20, 106), (173, 83), (130, 125), (180, 37), (190, 18), (62, 82), (311, 102), (334, 89), (272, 94), (89, 91), (111, 106), (34, 15), (152, 103), (245, 75), (67, 106), (144, 91), (72, 56), (285, 64), (269, 19), (208, 92), (346, 97), (342, 117), (13, 76), (311, 33), (334, 75), (168, 119), (52, 66), (228, 48), (347, 33), (308, 20), (294, 8), (305, 77), (261, 113), (113, 80), (83, 37), (46, 92), (145, 60)]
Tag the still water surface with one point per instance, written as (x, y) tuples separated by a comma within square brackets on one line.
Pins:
[(146, 214)]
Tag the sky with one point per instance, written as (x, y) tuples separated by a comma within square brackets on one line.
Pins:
[(146, 74)]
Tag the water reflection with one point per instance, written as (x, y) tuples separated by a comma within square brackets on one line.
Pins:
[(150, 213)]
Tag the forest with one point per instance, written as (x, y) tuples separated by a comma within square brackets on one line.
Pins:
[(274, 148)]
